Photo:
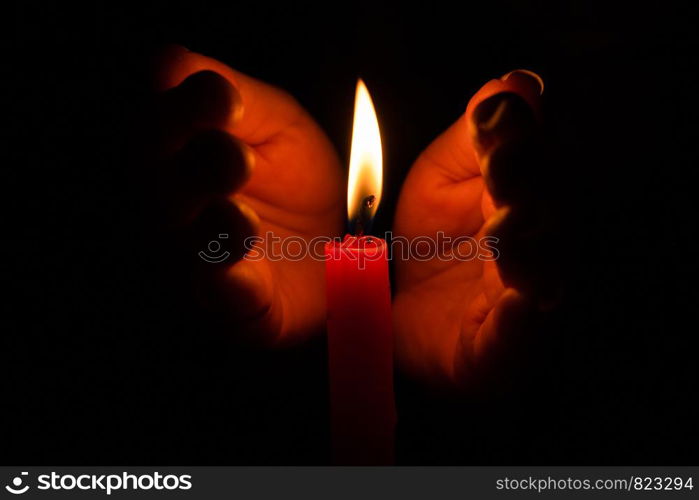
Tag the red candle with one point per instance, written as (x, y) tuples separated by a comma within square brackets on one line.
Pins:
[(360, 342)]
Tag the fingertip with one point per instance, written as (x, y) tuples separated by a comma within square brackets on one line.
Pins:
[(248, 214), (525, 261), (525, 83), (501, 118), (488, 206), (515, 312), (495, 220), (505, 226), (515, 301), (511, 171), (223, 220), (249, 158), (217, 162), (525, 80), (209, 100)]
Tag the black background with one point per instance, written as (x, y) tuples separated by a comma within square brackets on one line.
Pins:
[(104, 362)]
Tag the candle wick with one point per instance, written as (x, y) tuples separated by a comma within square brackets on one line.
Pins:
[(369, 201), (364, 218)]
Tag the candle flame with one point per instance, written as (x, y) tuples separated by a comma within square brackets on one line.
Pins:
[(366, 162)]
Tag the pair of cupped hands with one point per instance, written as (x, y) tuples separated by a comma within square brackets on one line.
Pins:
[(241, 157)]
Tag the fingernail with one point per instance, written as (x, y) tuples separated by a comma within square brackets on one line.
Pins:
[(502, 118), (527, 78)]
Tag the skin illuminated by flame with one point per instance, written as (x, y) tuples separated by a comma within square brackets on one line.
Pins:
[(366, 162)]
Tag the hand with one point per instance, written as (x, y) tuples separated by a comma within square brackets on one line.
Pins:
[(462, 321), (241, 158)]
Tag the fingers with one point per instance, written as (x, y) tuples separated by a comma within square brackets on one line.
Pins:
[(264, 111), (212, 164), (447, 177), (244, 295), (200, 162), (529, 253), (202, 101), (201, 165), (508, 143), (278, 130), (516, 167), (503, 326), (454, 150), (489, 351), (227, 222)]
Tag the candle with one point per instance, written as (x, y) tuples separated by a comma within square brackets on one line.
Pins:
[(360, 342)]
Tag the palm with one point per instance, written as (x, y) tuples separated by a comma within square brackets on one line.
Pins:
[(295, 192), (451, 297)]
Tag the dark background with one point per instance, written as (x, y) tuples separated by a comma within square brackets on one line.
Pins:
[(103, 361)]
